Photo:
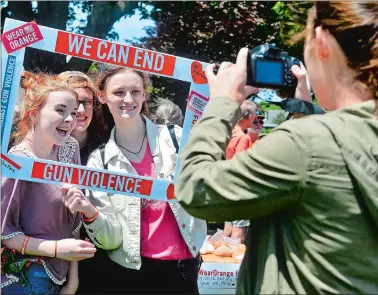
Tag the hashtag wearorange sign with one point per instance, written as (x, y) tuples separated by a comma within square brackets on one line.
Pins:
[(21, 37)]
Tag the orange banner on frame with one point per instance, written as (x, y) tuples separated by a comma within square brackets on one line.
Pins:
[(113, 53)]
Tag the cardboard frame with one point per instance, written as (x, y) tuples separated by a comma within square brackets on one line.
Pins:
[(18, 35)]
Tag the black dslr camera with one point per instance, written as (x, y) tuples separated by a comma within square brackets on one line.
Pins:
[(269, 67)]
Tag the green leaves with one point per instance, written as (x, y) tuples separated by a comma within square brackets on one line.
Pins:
[(13, 268), (10, 265), (23, 262), (266, 106), (209, 31), (292, 17)]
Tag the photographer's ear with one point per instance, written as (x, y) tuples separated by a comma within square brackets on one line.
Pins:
[(322, 44)]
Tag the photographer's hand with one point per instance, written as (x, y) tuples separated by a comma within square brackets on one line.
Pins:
[(231, 79), (303, 88)]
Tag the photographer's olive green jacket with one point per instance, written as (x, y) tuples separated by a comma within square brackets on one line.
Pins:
[(310, 189)]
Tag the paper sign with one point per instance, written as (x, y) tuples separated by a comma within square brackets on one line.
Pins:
[(86, 47), (214, 275), (113, 53), (197, 102), (21, 37)]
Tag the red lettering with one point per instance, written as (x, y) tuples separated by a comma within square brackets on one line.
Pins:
[(114, 53), (91, 178)]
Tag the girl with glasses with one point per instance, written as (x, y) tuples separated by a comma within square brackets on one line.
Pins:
[(90, 130)]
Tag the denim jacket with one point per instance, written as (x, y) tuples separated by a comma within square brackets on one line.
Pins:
[(117, 228)]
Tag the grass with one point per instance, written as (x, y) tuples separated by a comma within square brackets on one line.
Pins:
[(270, 107)]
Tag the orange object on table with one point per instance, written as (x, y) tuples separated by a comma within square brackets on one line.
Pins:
[(215, 258)]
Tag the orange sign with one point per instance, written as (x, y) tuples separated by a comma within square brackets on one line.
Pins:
[(114, 53)]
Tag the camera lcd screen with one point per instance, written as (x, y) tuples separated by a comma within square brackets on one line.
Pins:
[(269, 72)]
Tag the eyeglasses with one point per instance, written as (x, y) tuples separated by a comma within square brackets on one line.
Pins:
[(87, 104), (259, 120)]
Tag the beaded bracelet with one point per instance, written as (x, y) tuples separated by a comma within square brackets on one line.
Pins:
[(24, 244), (88, 220)]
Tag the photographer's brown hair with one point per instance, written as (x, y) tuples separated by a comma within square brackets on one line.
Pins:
[(354, 25)]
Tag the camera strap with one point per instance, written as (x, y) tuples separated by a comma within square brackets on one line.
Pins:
[(294, 105), (171, 129)]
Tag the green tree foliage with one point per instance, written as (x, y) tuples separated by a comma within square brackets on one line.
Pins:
[(265, 131), (292, 16), (213, 31), (266, 106), (206, 31)]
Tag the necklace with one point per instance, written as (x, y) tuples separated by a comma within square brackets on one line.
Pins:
[(135, 153)]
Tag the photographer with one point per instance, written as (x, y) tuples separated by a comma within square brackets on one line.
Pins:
[(310, 186)]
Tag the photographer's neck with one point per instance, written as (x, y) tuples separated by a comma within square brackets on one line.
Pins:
[(339, 87), (343, 96)]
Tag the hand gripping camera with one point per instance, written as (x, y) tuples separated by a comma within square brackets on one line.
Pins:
[(269, 67)]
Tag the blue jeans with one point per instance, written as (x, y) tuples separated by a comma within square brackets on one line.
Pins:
[(38, 283)]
